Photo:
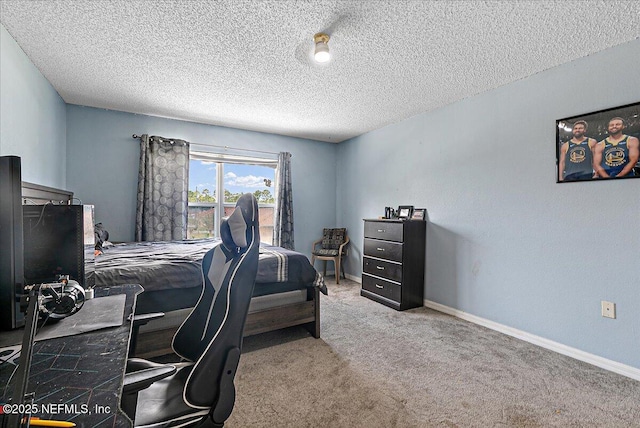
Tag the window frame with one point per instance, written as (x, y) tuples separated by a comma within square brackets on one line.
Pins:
[(220, 160)]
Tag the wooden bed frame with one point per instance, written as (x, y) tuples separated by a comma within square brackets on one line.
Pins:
[(155, 343), (306, 314)]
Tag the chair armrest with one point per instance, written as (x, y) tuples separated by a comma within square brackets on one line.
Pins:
[(136, 322), (313, 247), (343, 245), (142, 373), (142, 319), (137, 364)]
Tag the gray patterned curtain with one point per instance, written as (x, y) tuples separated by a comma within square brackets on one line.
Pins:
[(283, 221), (163, 184)]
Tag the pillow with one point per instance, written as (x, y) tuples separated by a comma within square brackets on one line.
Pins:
[(333, 238)]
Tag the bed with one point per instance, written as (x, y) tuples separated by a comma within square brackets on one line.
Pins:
[(286, 291)]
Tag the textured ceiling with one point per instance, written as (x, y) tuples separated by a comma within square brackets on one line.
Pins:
[(248, 65)]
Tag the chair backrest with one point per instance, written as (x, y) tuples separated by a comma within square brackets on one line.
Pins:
[(214, 326), (333, 238)]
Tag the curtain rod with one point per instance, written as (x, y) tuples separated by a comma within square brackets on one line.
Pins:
[(137, 137)]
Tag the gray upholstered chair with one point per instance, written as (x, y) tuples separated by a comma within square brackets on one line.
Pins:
[(332, 247), (200, 392)]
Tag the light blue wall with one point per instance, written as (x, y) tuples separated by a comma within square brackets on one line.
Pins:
[(32, 117), (505, 242), (103, 166)]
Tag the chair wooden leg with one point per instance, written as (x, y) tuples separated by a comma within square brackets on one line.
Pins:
[(324, 272), (342, 266), (336, 262)]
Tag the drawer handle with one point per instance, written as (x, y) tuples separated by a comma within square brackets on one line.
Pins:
[(381, 231), (379, 286), (380, 249), (380, 267)]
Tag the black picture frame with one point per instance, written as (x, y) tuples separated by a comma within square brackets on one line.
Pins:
[(576, 147), (405, 211), (419, 214)]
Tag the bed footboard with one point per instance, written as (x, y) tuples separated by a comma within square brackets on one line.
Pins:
[(306, 314), (303, 313)]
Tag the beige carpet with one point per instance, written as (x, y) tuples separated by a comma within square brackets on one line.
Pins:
[(375, 367)]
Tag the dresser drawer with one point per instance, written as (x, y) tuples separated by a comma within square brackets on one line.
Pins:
[(382, 268), (381, 230), (381, 287), (383, 249)]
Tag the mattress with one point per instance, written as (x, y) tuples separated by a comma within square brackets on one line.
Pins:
[(170, 272)]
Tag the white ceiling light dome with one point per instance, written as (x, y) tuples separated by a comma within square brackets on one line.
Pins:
[(321, 53)]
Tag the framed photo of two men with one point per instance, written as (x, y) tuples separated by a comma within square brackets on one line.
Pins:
[(603, 145)]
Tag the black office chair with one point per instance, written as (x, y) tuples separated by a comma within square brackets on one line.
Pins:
[(200, 392)]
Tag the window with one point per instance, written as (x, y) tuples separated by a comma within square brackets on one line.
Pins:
[(212, 175)]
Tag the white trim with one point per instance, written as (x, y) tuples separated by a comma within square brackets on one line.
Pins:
[(354, 278), (604, 363), (614, 366), (211, 156)]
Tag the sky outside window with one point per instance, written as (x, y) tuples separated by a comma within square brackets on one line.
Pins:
[(238, 178), (202, 175)]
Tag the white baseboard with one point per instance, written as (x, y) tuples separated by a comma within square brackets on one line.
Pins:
[(596, 360), (354, 278)]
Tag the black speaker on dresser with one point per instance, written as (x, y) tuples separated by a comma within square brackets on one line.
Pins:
[(11, 243)]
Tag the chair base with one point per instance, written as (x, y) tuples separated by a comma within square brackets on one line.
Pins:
[(336, 261)]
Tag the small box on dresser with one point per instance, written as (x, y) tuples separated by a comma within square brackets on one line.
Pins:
[(393, 262)]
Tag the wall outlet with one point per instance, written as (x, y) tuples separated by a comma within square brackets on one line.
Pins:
[(608, 309)]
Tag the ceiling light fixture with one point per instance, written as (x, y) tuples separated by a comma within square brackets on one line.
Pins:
[(322, 48)]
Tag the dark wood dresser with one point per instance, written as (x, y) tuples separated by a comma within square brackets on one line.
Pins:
[(393, 262)]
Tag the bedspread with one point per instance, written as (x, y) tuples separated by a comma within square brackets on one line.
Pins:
[(177, 264)]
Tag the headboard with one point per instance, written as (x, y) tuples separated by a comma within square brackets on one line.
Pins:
[(38, 195)]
